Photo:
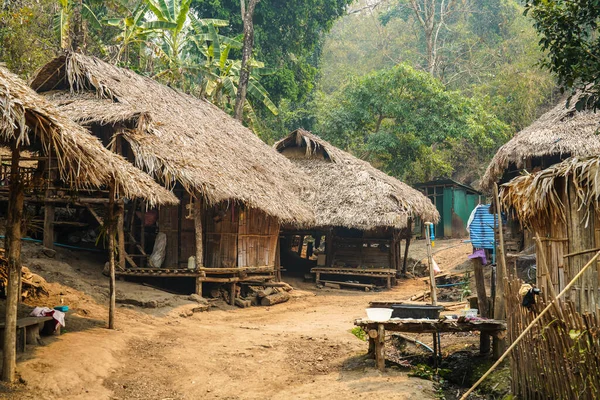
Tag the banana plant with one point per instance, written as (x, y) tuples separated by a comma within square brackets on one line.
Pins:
[(222, 74), (64, 19)]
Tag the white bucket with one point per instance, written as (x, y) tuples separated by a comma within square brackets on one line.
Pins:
[(379, 314)]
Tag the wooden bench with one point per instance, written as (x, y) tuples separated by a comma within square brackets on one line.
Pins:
[(29, 328), (376, 330), (387, 274)]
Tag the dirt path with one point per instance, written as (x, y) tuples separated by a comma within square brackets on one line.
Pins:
[(302, 349)]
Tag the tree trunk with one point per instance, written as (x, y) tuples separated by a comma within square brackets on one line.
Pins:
[(110, 225), (13, 247), (247, 15)]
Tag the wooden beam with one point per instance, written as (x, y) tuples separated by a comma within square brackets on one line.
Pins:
[(49, 208)]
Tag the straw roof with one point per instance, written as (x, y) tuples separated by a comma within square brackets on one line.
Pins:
[(561, 131), (177, 137), (350, 192), (34, 124), (537, 197)]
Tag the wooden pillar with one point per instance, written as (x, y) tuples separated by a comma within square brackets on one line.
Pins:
[(278, 261), (329, 249), (301, 245), (111, 255), (482, 303), (13, 249), (232, 293), (198, 230), (121, 233), (501, 273), (408, 237), (199, 286), (379, 348), (49, 208)]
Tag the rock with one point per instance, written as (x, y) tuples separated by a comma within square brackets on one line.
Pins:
[(197, 298), (49, 252), (151, 304), (202, 308)]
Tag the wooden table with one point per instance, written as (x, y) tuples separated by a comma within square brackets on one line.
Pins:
[(28, 329), (376, 330)]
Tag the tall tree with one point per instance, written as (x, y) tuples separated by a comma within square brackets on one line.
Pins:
[(247, 11), (404, 120)]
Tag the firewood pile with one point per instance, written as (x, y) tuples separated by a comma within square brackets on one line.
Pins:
[(255, 294), (32, 285)]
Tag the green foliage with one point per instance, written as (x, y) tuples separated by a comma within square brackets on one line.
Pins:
[(287, 37), (405, 121), (569, 33), (359, 333), (26, 40), (424, 371)]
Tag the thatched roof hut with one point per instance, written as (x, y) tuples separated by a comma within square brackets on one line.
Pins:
[(561, 205), (560, 133), (176, 137), (37, 126), (363, 212), (350, 192)]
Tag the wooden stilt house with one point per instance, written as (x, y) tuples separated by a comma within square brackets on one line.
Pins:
[(561, 206), (234, 189), (54, 145), (363, 213)]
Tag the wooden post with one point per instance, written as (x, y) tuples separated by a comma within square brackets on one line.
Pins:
[(121, 234), (329, 249), (199, 286), (278, 261), (501, 273), (482, 302), (49, 208), (379, 348), (110, 228), (301, 245), (432, 285), (408, 237), (232, 293), (13, 249), (198, 230)]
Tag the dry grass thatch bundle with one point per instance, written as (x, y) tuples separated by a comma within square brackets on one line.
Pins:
[(177, 137), (561, 131), (350, 192), (34, 124), (536, 197)]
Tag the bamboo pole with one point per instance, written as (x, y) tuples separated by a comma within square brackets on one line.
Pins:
[(430, 260), (197, 204), (528, 328), (13, 248)]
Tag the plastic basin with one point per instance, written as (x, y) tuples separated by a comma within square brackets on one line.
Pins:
[(379, 314)]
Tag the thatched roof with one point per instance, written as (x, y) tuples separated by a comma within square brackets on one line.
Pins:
[(177, 137), (350, 192), (561, 131), (36, 125), (537, 197)]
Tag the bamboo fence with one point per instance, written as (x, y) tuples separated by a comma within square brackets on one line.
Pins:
[(560, 357)]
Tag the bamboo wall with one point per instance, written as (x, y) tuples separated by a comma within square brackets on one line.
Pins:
[(240, 237), (567, 247), (560, 357)]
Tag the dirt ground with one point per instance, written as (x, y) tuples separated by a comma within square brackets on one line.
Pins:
[(302, 349)]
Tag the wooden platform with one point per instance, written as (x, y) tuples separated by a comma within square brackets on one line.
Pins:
[(376, 330), (387, 274)]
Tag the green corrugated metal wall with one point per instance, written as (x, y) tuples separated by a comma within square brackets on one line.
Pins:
[(447, 212)]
